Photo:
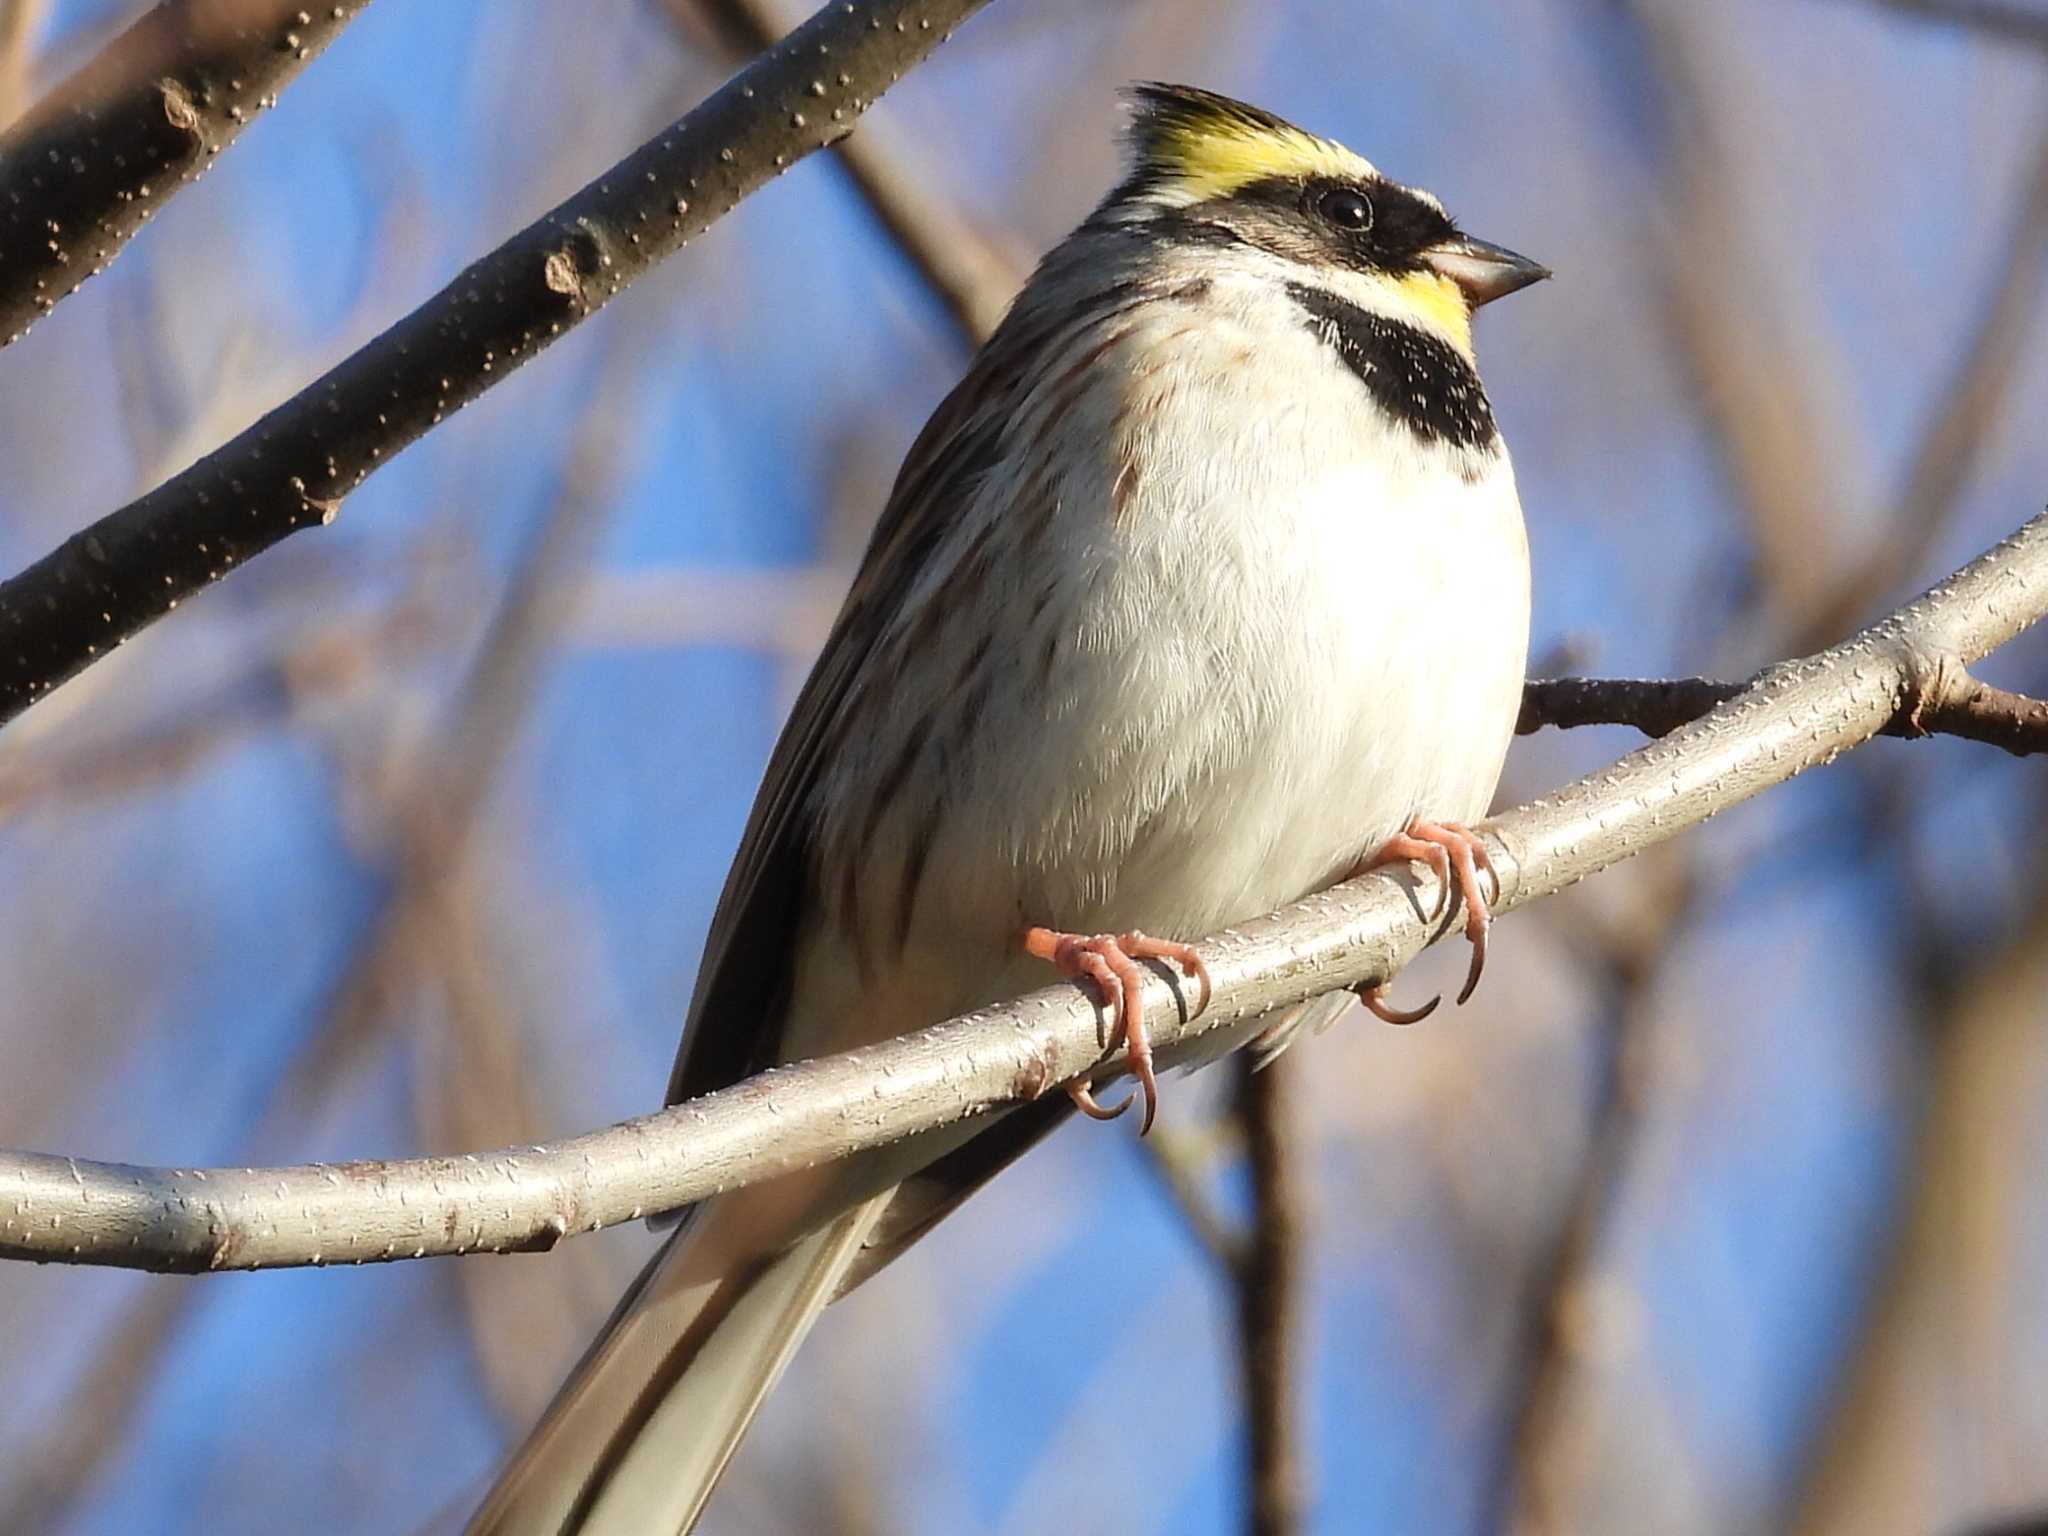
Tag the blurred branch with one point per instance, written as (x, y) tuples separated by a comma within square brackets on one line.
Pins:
[(326, 659), (2009, 23), (1270, 1297), (424, 943), (1949, 702), (52, 1473), (18, 22), (290, 470), (1181, 1159), (1930, 1422), (1699, 164), (781, 611), (966, 273), (82, 171), (1793, 717), (1749, 329), (1522, 1492), (1968, 406)]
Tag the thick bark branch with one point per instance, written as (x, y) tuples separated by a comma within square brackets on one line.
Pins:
[(84, 170), (1792, 717), (1945, 701), (291, 469)]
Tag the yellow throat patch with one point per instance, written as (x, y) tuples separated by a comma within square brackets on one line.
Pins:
[(1191, 145), (1438, 301)]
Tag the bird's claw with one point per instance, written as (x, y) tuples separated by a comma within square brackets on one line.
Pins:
[(1374, 996), (1110, 961), (1455, 854)]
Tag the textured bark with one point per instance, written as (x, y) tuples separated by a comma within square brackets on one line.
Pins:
[(1794, 716), (291, 469), (83, 171), (1946, 701)]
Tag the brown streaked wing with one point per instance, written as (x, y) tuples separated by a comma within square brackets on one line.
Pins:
[(735, 1022)]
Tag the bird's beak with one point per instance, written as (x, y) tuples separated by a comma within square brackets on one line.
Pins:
[(1483, 271)]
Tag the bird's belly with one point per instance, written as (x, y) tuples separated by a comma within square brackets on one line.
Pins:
[(1253, 698)]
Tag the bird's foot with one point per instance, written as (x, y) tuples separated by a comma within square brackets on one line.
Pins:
[(1455, 854), (1111, 961), (1375, 998)]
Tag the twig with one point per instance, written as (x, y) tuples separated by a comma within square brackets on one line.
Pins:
[(18, 22), (1270, 1296), (1921, 1430), (291, 469), (1181, 1159), (83, 171), (1793, 717), (1967, 407), (184, 732), (54, 1468), (1520, 1495), (968, 276), (2006, 21), (1772, 384), (1945, 702), (1527, 1491)]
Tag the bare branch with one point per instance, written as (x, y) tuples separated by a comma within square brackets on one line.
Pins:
[(1522, 1494), (84, 170), (1181, 1160), (1966, 409), (967, 275), (290, 470), (1946, 701), (2001, 19), (325, 658), (1270, 1295), (1654, 706), (1792, 717), (53, 1472), (1922, 1433), (18, 22)]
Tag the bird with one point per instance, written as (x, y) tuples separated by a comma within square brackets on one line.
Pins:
[(1205, 588)]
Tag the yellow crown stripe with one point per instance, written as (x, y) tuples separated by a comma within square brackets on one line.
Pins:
[(1217, 164), (1194, 144)]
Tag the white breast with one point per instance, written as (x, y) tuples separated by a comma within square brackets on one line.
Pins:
[(1269, 628), (1294, 628)]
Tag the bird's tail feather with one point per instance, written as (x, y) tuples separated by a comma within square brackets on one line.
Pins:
[(637, 1438)]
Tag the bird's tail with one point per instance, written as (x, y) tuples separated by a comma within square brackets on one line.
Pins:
[(637, 1438)]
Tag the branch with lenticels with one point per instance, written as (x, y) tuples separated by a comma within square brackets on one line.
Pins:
[(291, 469), (1791, 717), (85, 168)]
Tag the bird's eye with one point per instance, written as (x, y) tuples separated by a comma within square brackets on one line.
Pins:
[(1346, 209)]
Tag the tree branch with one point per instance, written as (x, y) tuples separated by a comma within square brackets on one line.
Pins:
[(19, 20), (1946, 701), (291, 469), (83, 171), (1791, 717), (964, 272), (1270, 1295), (2000, 19), (1968, 407)]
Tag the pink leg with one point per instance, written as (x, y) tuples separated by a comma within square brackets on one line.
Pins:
[(1453, 851), (1111, 961)]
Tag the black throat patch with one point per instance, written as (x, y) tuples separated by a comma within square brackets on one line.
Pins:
[(1418, 379)]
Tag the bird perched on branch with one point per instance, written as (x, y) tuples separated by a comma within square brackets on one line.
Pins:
[(1206, 588)]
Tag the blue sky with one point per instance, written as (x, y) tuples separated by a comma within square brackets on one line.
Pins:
[(177, 949)]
